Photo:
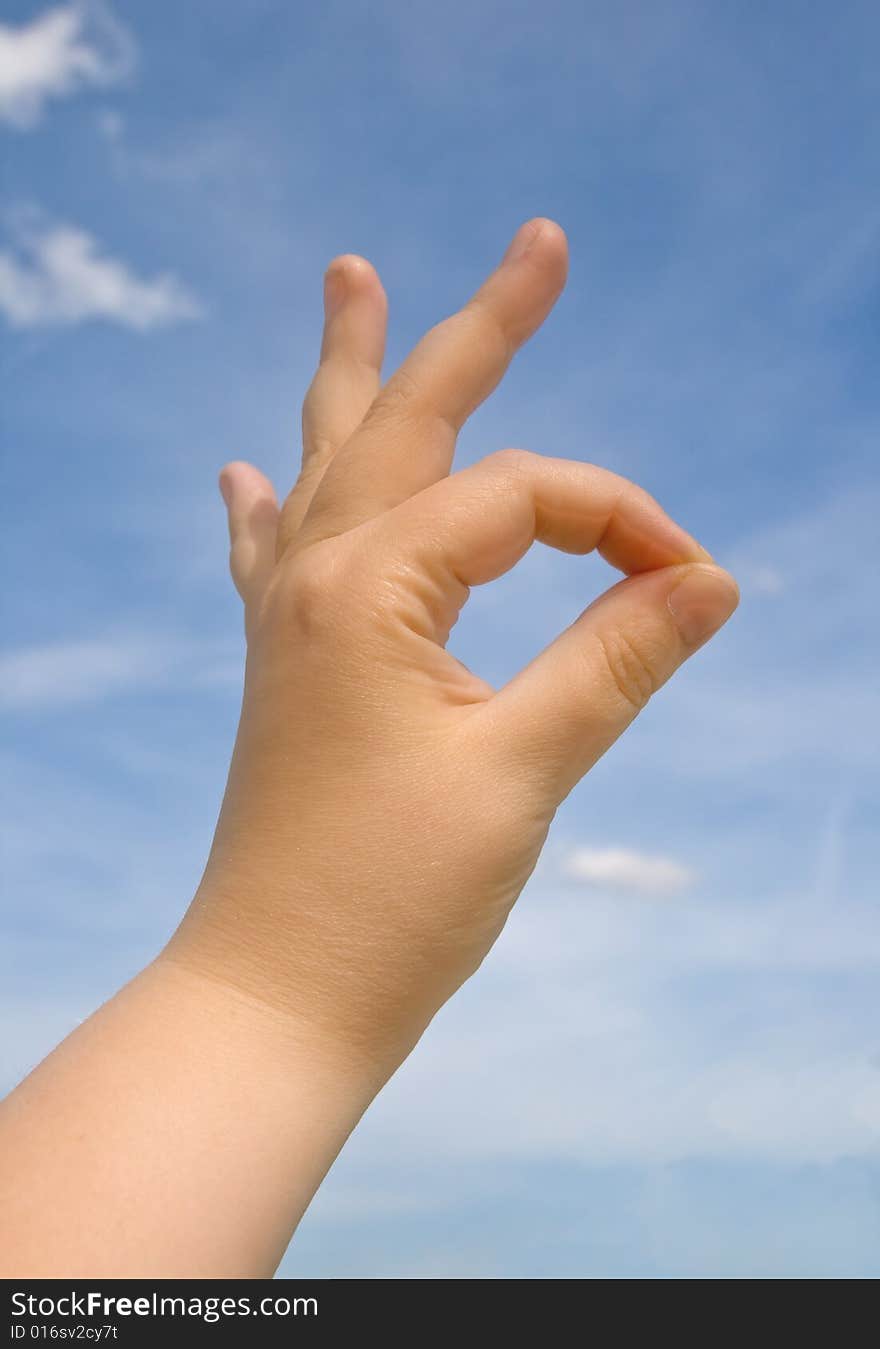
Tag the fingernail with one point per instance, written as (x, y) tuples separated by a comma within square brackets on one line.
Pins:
[(334, 291), (223, 482), (522, 241), (703, 600)]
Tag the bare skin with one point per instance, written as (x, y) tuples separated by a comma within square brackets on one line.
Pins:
[(384, 807)]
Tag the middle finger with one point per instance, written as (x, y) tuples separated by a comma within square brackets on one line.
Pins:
[(407, 439)]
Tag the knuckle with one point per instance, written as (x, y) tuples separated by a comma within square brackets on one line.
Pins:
[(509, 462), (491, 331), (313, 590), (631, 670), (400, 397)]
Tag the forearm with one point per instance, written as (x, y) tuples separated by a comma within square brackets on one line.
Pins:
[(181, 1131)]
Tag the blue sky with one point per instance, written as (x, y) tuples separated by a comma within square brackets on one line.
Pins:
[(670, 1065)]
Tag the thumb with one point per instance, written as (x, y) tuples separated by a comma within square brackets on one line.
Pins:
[(252, 510), (564, 710)]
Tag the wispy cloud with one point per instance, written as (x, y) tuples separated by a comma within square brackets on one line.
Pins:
[(590, 1047), (60, 277), (62, 674), (62, 51), (761, 580), (623, 869)]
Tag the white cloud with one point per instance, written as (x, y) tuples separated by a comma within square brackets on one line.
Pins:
[(62, 674), (63, 50), (622, 869), (762, 580), (61, 277)]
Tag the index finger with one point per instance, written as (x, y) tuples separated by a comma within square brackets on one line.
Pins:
[(475, 525)]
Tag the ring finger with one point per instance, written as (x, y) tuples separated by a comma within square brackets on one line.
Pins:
[(346, 381)]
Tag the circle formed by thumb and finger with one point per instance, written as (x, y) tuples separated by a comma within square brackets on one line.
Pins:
[(475, 525), (568, 706)]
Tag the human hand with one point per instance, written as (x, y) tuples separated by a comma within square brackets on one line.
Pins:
[(385, 806)]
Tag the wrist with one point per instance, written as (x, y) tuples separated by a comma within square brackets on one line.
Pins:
[(218, 1004), (275, 1008), (322, 984)]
